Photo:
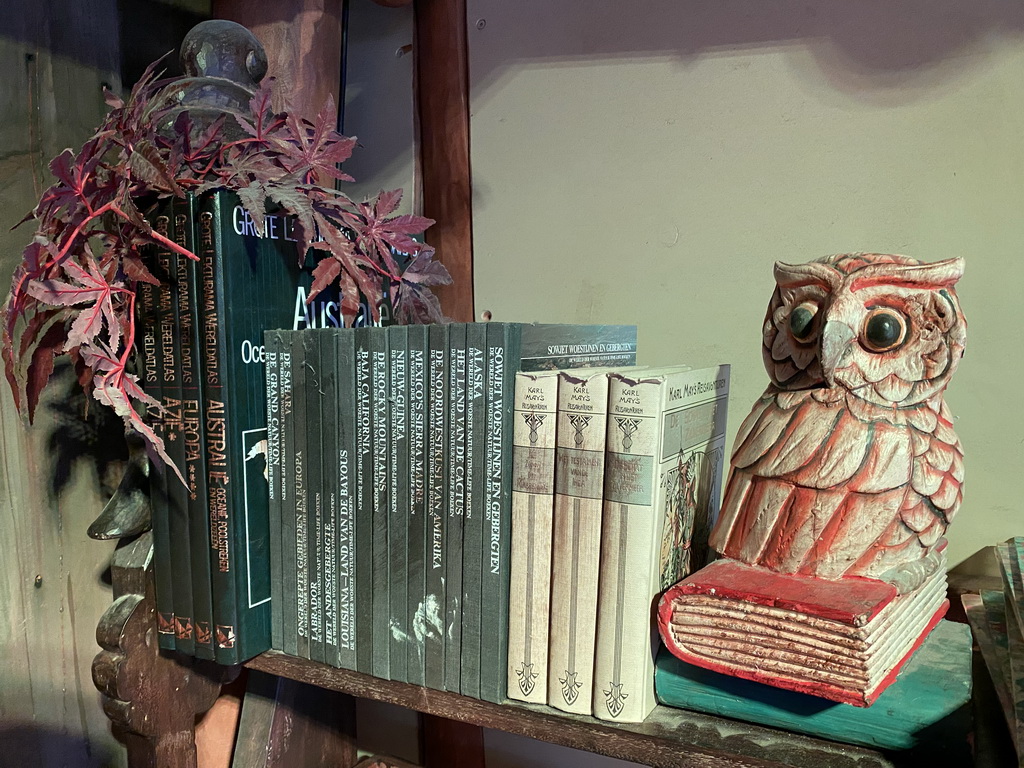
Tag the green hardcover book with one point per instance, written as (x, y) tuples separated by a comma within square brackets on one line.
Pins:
[(169, 346), (364, 496), (433, 614), (299, 528), (380, 448), (455, 505), (193, 448), (314, 544), (292, 394), (250, 285), (513, 347), (278, 373), (152, 362), (348, 514), (330, 477), (473, 520), (398, 499), (417, 547)]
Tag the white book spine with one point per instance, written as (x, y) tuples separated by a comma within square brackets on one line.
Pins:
[(665, 453), (533, 490), (579, 486)]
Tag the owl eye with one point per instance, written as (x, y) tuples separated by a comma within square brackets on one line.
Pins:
[(884, 329), (801, 320)]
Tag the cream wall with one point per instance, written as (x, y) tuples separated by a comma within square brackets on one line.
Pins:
[(647, 162)]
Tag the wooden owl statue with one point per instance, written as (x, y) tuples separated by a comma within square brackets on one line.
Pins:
[(844, 479), (848, 464)]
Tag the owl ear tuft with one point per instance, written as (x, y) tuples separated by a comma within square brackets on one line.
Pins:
[(933, 276), (814, 272)]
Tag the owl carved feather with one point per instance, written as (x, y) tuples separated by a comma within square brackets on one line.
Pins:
[(848, 465)]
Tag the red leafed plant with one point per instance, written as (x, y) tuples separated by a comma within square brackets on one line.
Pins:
[(74, 292)]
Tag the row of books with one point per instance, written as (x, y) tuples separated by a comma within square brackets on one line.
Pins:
[(997, 621), (202, 360), (616, 480), (389, 454)]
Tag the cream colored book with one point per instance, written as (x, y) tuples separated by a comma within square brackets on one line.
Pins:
[(533, 490), (665, 453), (576, 548)]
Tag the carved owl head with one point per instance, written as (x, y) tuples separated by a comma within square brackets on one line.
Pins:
[(886, 328)]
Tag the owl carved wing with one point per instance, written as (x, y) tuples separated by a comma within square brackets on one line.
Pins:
[(826, 485)]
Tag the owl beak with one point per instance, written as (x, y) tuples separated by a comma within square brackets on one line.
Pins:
[(836, 344)]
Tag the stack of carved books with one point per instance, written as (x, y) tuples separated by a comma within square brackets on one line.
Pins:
[(996, 620), (389, 474), (844, 639), (616, 480)]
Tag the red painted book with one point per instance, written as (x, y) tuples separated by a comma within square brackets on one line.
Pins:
[(844, 639)]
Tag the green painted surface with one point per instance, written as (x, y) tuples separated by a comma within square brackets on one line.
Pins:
[(927, 708)]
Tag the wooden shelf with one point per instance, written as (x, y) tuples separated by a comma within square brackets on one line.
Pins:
[(669, 738)]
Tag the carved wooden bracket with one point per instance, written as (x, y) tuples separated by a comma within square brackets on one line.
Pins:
[(136, 679)]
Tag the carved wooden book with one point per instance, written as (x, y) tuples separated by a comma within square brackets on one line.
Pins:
[(843, 639)]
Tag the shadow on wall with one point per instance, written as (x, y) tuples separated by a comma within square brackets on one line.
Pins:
[(29, 746), (82, 431), (861, 48)]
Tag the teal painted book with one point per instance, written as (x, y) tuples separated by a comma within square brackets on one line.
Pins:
[(927, 709), (250, 285)]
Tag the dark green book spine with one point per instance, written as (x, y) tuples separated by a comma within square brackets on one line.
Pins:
[(380, 445), (152, 361), (398, 499), (347, 518), (503, 354), (314, 496), (456, 504), (364, 520), (277, 353), (250, 284), (291, 392), (194, 449), (329, 440), (416, 607), (436, 482), (168, 342), (301, 492), (473, 523)]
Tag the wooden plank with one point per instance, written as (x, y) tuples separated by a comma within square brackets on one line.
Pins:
[(287, 723), (442, 88), (303, 43), (451, 744), (55, 54), (669, 738)]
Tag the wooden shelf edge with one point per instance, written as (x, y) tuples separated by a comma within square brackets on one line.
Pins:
[(669, 738)]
